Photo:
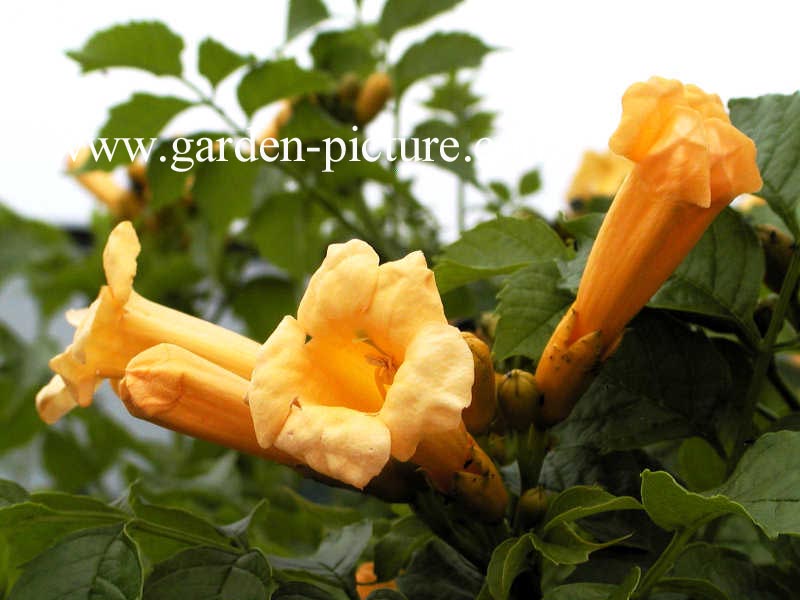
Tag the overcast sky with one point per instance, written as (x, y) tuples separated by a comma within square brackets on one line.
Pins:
[(557, 82)]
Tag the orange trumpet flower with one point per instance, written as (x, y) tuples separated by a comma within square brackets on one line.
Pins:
[(690, 162)]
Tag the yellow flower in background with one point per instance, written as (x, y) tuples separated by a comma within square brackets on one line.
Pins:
[(121, 202), (367, 581), (368, 369), (120, 323), (690, 163), (599, 175)]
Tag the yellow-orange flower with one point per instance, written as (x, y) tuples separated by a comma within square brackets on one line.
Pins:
[(368, 369), (121, 202), (120, 323), (690, 162), (367, 581), (599, 174)]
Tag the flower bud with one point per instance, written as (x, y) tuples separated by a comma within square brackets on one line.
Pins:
[(531, 507), (480, 413), (519, 399), (372, 97)]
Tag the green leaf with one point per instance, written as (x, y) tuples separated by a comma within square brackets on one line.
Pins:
[(500, 190), (161, 532), (137, 121), (721, 276), (452, 96), (530, 182), (335, 559), (281, 229), (699, 465), (274, 80), (147, 45), (693, 588), (399, 14), (731, 573), (346, 51), (665, 382), (509, 559), (72, 465), (32, 526), (386, 595), (261, 303), (11, 493), (437, 572), (773, 123), (580, 502), (304, 14), (95, 564), (531, 303), (451, 156), (597, 591), (765, 487), (215, 61), (211, 574), (567, 544), (394, 550), (440, 53), (224, 191), (497, 247)]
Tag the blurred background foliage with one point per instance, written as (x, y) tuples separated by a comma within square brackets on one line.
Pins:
[(234, 242)]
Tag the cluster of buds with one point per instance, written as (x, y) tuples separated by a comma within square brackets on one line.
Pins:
[(365, 388)]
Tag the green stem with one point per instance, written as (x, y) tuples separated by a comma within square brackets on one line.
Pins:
[(664, 562), (206, 100), (461, 206), (764, 358)]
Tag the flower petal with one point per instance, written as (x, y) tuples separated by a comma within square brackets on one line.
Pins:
[(405, 299), (340, 291), (335, 441), (54, 400), (119, 260), (430, 389), (733, 161)]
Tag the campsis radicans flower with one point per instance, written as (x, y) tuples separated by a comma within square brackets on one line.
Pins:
[(690, 162), (368, 371), (120, 324)]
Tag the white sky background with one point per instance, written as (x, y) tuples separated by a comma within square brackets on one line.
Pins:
[(557, 82)]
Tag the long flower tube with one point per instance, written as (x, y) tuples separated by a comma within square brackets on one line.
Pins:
[(690, 162), (120, 323), (370, 371)]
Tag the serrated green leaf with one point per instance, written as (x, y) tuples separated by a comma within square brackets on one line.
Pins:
[(346, 51), (440, 53), (93, 564), (281, 230), (721, 276), (530, 182), (452, 96), (509, 559), (399, 14), (597, 591), (665, 382), (215, 61), (262, 302), (765, 487), (496, 247), (731, 573), (224, 191), (30, 527), (447, 149), (773, 123), (147, 45), (137, 121), (274, 80), (437, 572), (531, 303), (394, 550), (304, 14), (11, 493), (500, 190), (211, 574), (336, 557), (584, 501)]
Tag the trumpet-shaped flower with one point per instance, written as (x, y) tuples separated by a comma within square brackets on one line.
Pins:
[(599, 174), (368, 370), (690, 162), (120, 323)]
